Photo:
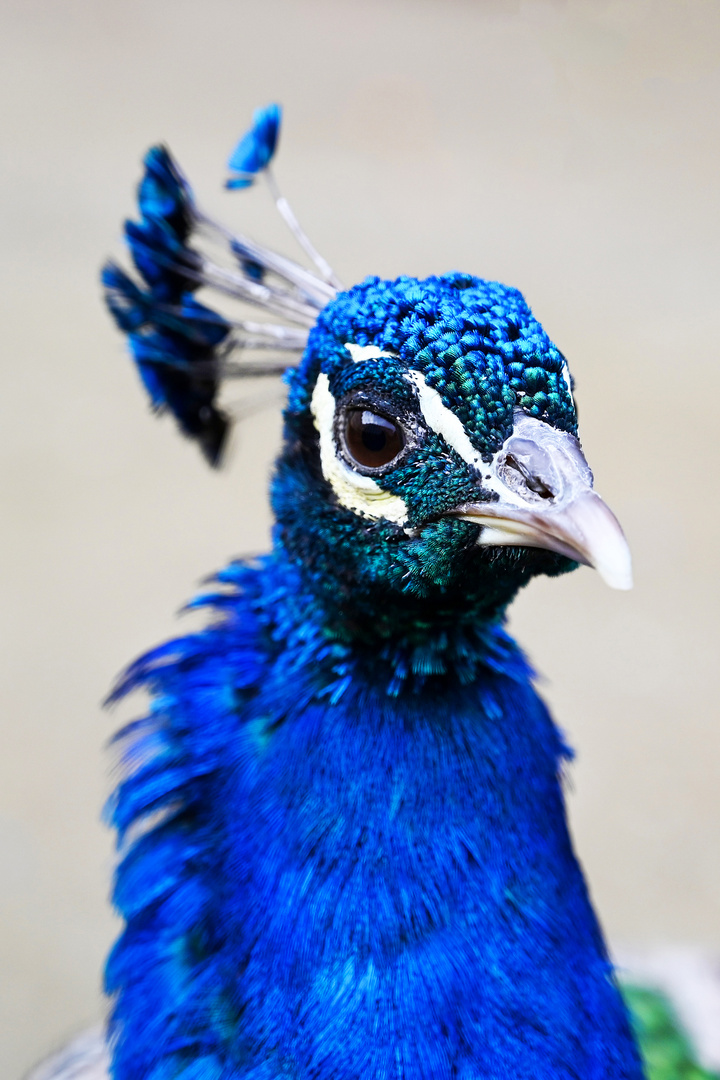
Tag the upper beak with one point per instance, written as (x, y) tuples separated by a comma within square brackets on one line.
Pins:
[(546, 500)]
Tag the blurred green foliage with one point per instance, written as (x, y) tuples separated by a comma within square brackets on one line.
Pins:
[(666, 1049)]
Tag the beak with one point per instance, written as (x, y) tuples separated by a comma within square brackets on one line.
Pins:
[(546, 500)]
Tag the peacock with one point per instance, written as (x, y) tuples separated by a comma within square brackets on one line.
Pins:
[(343, 846)]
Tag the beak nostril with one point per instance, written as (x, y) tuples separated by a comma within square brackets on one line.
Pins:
[(541, 489), (533, 483)]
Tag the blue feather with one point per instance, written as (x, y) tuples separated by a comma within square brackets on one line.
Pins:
[(256, 148), (180, 346), (174, 346), (154, 867), (167, 265), (164, 197)]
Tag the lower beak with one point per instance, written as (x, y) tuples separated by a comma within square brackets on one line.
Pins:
[(545, 499)]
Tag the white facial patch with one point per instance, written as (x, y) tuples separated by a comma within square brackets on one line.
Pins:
[(356, 492), (367, 352)]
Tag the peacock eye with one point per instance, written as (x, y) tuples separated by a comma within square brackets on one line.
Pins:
[(371, 441)]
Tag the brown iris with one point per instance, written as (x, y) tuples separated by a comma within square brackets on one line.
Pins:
[(372, 440)]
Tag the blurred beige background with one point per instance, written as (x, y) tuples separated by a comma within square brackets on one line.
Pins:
[(571, 149)]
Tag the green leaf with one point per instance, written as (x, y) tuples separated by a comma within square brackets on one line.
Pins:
[(665, 1048)]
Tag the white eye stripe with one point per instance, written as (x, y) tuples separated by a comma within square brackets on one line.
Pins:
[(356, 492), (367, 352), (443, 421)]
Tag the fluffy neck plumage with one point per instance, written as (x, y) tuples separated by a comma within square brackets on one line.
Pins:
[(352, 882)]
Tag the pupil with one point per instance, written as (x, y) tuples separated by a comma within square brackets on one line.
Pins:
[(374, 434), (372, 440)]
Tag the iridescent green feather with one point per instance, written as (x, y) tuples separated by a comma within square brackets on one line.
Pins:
[(666, 1050)]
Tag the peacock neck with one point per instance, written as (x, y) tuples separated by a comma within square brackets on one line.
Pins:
[(350, 877), (400, 643), (407, 884)]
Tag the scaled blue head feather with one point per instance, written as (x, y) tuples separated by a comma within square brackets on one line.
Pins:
[(476, 342)]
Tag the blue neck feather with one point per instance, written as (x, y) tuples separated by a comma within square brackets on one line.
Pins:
[(339, 877)]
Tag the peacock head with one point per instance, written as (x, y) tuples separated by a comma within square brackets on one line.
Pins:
[(431, 461), (431, 449)]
